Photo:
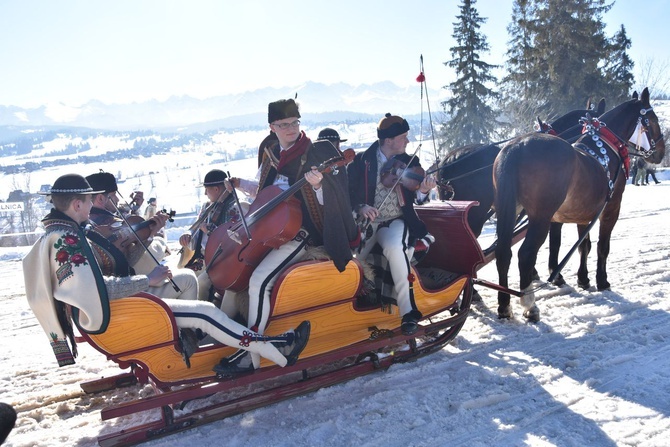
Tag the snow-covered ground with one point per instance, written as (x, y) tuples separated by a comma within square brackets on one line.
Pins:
[(594, 372)]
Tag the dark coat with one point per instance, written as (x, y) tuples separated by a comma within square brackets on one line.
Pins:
[(332, 224), (362, 173)]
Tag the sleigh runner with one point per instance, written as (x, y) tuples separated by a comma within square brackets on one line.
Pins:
[(348, 338)]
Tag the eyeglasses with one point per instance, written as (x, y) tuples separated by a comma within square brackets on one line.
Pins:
[(295, 123)]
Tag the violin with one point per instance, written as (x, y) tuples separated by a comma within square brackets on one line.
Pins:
[(124, 236), (395, 172)]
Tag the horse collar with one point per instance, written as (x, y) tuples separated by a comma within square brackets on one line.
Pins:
[(600, 135)]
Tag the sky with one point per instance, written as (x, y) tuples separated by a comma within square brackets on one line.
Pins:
[(132, 51)]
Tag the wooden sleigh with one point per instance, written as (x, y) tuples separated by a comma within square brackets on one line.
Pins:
[(347, 339)]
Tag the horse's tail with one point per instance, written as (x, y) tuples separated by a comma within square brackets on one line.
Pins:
[(505, 175)]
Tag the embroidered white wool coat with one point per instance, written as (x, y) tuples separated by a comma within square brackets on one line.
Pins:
[(60, 267)]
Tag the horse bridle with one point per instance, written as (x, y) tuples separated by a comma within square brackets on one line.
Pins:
[(644, 124)]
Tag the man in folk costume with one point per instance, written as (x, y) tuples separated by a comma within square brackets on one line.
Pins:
[(331, 135), (64, 284), (326, 211), (394, 223), (221, 208), (137, 258)]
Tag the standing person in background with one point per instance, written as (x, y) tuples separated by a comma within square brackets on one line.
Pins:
[(651, 171), (640, 171), (390, 211), (633, 170), (151, 209), (326, 212), (331, 135)]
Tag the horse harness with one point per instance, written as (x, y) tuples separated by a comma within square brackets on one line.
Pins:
[(601, 135)]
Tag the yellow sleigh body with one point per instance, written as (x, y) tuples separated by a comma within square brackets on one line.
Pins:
[(143, 335)]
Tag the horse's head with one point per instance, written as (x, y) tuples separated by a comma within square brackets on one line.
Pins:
[(635, 122)]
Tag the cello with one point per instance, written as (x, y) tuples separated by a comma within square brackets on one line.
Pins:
[(274, 218)]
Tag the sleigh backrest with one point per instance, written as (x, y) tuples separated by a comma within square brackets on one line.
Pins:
[(142, 332), (141, 322), (455, 248), (297, 286)]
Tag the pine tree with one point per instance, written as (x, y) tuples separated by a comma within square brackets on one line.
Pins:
[(520, 94), (471, 117), (562, 64), (619, 68), (571, 44)]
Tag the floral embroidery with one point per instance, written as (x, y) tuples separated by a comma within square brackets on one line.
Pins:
[(69, 250), (69, 254)]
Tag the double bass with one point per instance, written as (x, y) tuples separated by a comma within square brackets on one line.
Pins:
[(274, 218)]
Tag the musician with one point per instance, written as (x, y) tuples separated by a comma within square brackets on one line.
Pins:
[(64, 284), (141, 256), (326, 212), (331, 135), (394, 223), (221, 208), (151, 209)]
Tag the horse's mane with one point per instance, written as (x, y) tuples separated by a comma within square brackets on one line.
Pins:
[(460, 152)]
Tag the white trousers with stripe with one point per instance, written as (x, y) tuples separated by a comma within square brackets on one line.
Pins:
[(207, 317), (393, 240)]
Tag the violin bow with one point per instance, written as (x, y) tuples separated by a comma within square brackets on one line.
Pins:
[(174, 284), (401, 174), (232, 234), (365, 223), (210, 208)]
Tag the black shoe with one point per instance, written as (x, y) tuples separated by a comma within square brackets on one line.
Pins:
[(410, 322), (188, 341), (297, 341), (238, 363)]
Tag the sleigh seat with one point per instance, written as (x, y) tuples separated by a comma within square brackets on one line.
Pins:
[(142, 334)]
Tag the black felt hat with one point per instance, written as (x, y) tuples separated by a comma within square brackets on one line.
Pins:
[(103, 181), (71, 184), (214, 177), (391, 126), (282, 109), (330, 135)]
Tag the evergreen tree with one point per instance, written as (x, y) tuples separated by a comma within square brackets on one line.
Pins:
[(471, 118), (619, 68), (556, 58), (520, 97)]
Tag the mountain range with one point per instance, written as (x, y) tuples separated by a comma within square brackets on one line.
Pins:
[(319, 102)]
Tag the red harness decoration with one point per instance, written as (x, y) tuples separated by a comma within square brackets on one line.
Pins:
[(612, 141)]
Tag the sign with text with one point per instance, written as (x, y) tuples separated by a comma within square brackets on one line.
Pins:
[(11, 206)]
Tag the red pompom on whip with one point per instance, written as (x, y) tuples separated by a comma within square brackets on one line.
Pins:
[(421, 77)]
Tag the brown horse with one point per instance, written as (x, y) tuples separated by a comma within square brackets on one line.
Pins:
[(466, 173), (558, 182)]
